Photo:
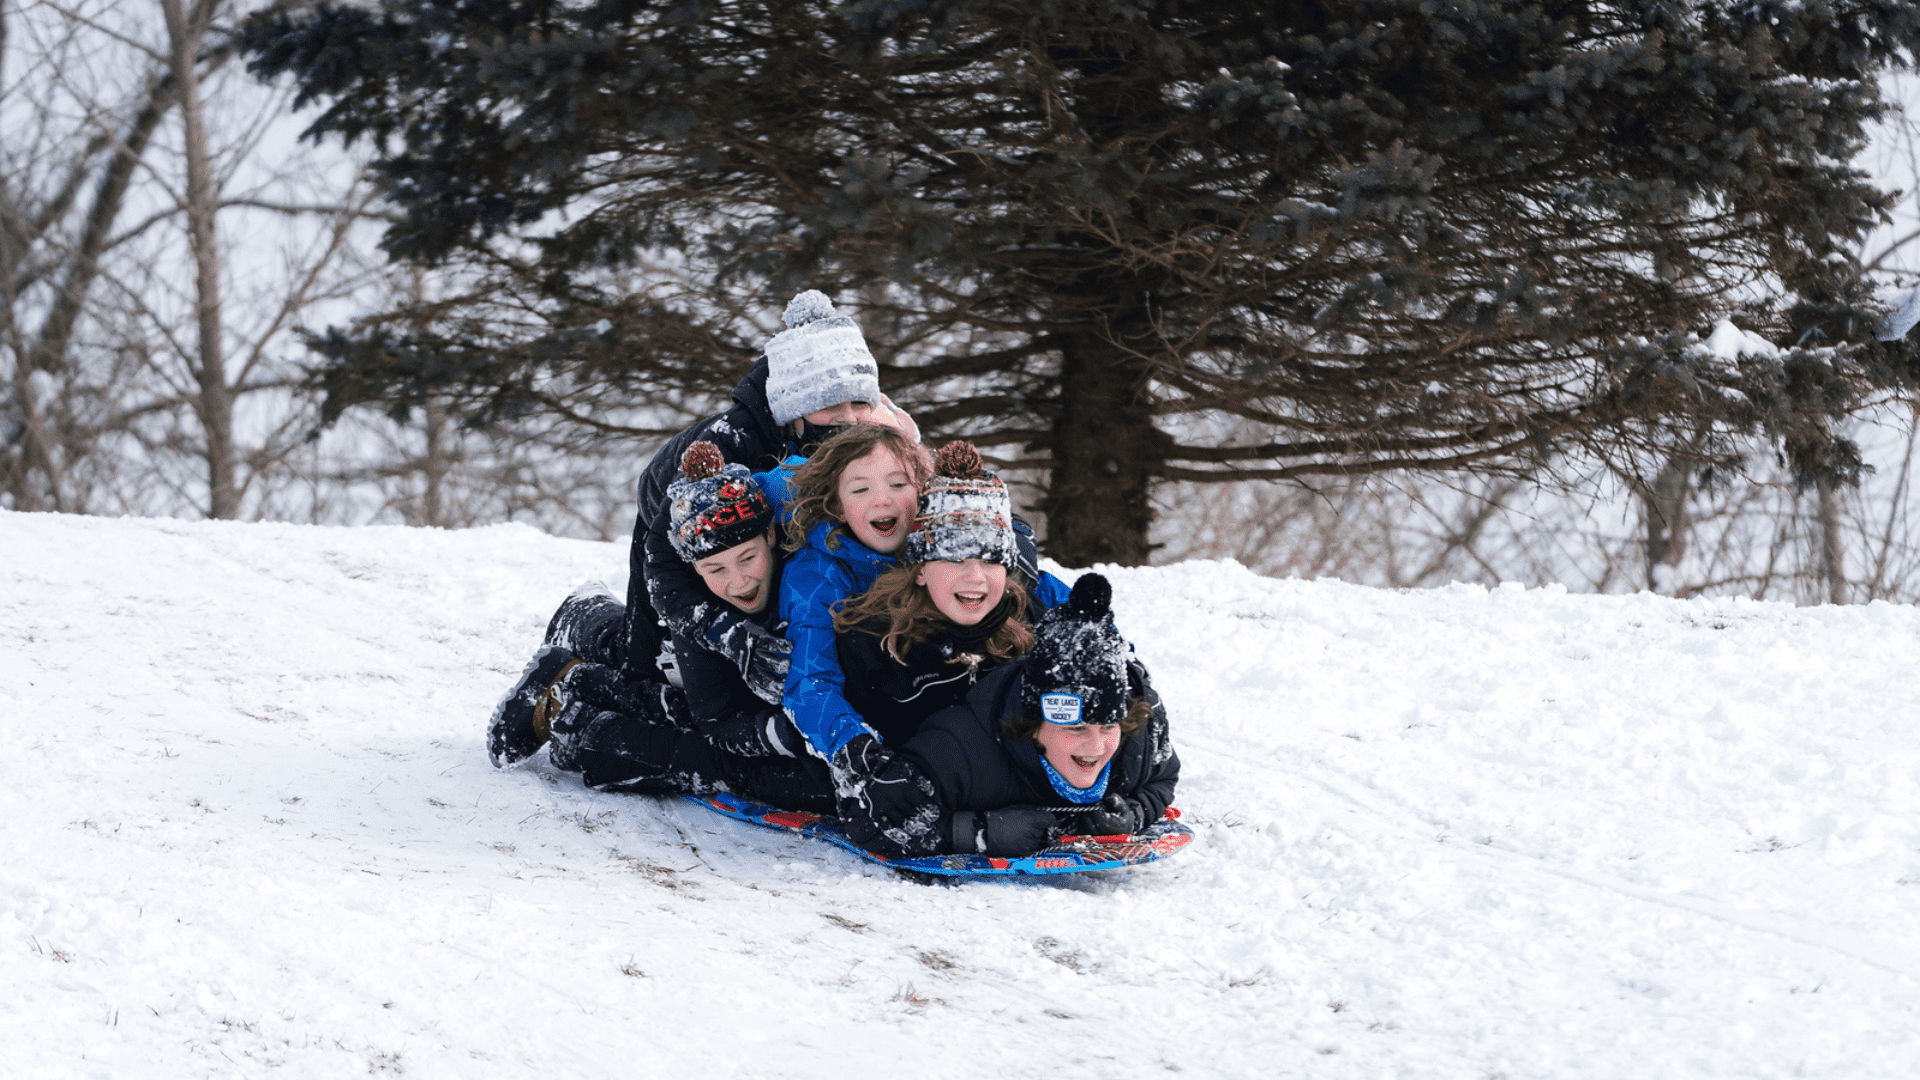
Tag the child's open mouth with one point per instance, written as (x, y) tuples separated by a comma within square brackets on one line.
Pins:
[(1086, 763), (749, 596), (883, 526), (970, 599)]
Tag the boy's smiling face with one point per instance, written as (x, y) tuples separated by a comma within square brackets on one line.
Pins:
[(739, 574), (878, 500), (1078, 751)]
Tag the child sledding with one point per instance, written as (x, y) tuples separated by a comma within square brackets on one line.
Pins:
[(940, 697)]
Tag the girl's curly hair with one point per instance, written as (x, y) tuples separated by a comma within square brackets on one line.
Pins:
[(912, 617), (816, 485)]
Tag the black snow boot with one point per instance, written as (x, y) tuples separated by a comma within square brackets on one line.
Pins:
[(590, 624), (522, 722)]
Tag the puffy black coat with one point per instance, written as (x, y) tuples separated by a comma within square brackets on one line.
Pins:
[(974, 766), (895, 697), (662, 586)]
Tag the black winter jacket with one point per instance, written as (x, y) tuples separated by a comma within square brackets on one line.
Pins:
[(973, 766), (662, 587), (894, 697)]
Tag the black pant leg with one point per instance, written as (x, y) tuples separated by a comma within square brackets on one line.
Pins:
[(628, 753)]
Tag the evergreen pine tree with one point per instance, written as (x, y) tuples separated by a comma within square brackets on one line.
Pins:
[(1383, 234)]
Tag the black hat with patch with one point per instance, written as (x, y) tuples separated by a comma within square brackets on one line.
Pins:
[(1077, 671)]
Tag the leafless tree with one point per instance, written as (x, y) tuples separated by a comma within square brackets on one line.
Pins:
[(163, 238), (77, 128)]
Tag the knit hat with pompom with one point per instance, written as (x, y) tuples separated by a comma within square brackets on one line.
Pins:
[(1077, 671), (964, 513), (712, 505), (819, 360)]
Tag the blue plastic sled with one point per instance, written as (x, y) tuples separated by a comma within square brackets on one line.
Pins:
[(1068, 855)]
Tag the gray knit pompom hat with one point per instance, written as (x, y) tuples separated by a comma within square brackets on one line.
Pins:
[(964, 513), (820, 359)]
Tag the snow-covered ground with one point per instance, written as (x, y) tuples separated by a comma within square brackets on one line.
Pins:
[(250, 829)]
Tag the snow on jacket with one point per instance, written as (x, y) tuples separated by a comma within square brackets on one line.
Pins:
[(662, 584), (974, 766)]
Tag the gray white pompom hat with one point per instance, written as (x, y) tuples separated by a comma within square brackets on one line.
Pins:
[(820, 360)]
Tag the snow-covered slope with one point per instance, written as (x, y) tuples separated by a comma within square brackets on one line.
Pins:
[(250, 829)]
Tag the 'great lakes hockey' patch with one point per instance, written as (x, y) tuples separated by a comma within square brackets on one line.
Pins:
[(1060, 708)]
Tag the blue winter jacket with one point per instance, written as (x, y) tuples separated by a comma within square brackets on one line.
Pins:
[(813, 583)]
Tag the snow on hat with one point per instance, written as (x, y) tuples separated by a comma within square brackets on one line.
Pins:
[(820, 359), (964, 513), (713, 505), (1077, 671)]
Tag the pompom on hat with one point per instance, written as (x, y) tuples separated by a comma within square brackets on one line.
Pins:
[(964, 513), (712, 505), (819, 360), (1077, 671)]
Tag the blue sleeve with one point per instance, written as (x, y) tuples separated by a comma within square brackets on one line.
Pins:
[(1050, 592), (777, 482), (815, 698)]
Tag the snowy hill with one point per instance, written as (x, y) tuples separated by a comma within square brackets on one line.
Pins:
[(250, 829)]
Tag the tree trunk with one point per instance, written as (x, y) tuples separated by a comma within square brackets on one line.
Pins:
[(434, 468), (215, 405), (1833, 555), (1666, 509), (32, 452), (33, 449), (1106, 455)]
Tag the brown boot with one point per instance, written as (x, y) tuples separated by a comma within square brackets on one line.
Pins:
[(550, 704)]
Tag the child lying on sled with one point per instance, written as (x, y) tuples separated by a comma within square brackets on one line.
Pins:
[(626, 734), (1068, 738)]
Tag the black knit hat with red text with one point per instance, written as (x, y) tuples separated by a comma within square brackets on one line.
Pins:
[(712, 505)]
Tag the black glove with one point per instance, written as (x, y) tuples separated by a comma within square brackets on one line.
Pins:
[(1139, 685), (1117, 815), (761, 657), (857, 762), (1008, 831), (871, 782)]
